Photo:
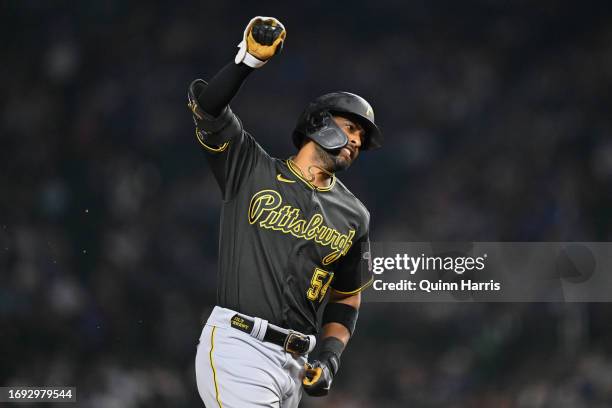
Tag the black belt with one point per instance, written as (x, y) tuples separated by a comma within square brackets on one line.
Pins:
[(293, 342)]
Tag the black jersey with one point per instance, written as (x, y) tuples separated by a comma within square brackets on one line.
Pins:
[(283, 241)]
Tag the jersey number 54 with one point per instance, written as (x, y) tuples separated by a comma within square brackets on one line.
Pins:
[(319, 284)]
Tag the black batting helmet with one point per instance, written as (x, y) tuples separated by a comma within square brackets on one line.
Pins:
[(316, 121)]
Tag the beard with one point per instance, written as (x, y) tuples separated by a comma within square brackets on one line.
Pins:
[(330, 160)]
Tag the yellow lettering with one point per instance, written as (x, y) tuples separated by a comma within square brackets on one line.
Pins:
[(265, 200), (270, 220), (265, 206), (297, 228), (313, 226)]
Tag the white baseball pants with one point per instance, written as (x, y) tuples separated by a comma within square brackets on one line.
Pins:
[(236, 370)]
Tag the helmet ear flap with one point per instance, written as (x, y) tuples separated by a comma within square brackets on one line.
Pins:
[(325, 132), (316, 120)]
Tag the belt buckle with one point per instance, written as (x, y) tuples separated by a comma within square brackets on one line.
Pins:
[(296, 343)]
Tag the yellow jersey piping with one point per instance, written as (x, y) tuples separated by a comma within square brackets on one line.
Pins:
[(213, 149), (297, 173), (352, 292)]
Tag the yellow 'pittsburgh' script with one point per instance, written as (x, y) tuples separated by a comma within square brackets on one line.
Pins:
[(266, 207)]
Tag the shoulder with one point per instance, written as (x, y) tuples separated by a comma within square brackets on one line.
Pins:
[(278, 162), (253, 146), (355, 203)]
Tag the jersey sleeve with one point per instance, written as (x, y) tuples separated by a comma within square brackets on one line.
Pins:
[(234, 160), (233, 153), (352, 276)]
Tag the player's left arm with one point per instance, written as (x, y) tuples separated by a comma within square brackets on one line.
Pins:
[(339, 321), (338, 329), (340, 314)]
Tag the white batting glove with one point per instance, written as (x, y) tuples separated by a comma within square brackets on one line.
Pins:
[(262, 39)]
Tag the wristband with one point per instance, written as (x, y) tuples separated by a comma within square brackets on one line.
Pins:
[(330, 352)]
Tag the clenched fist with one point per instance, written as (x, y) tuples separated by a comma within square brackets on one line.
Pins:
[(318, 378), (262, 39)]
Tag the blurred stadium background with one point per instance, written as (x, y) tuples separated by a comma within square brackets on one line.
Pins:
[(497, 116)]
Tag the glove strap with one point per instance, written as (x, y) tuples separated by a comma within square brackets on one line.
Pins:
[(246, 58)]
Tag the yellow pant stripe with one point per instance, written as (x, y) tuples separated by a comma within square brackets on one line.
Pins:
[(212, 365)]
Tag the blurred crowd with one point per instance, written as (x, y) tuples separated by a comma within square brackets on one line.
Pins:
[(497, 123)]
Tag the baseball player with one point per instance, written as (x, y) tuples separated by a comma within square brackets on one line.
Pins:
[(290, 240)]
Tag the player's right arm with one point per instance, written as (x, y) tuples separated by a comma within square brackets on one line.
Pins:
[(218, 129)]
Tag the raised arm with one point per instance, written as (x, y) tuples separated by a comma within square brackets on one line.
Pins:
[(231, 152), (214, 120), (222, 88)]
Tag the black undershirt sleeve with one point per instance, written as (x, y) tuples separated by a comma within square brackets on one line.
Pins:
[(223, 87)]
